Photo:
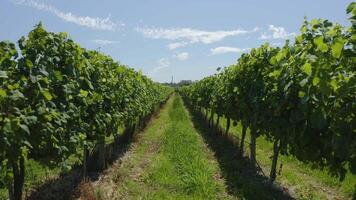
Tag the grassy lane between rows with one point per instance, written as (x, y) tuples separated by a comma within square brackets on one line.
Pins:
[(169, 160), (35, 174), (301, 179)]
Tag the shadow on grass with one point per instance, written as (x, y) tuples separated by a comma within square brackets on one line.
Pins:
[(66, 185), (242, 178), (72, 184)]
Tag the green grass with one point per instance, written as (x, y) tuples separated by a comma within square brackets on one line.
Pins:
[(169, 161), (302, 180), (35, 174)]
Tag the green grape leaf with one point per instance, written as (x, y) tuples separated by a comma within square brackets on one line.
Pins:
[(281, 55), (337, 47), (299, 38), (16, 95), (48, 96), (83, 93), (275, 73), (316, 81), (29, 64), (334, 85), (314, 22), (351, 7), (3, 74), (27, 144), (303, 82), (301, 94), (307, 68), (30, 119), (25, 128), (2, 93), (58, 75), (319, 42)]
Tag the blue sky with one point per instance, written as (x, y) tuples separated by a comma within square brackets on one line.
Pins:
[(186, 39)]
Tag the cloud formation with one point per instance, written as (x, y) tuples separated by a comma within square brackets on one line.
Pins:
[(162, 63), (222, 50), (104, 42), (189, 35), (276, 32), (91, 22), (182, 56), (176, 45)]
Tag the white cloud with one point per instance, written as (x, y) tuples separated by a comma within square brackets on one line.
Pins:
[(276, 33), (104, 42), (95, 23), (265, 36), (222, 50), (182, 56), (256, 29), (176, 45), (162, 63), (190, 35)]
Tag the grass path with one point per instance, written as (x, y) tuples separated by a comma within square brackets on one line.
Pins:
[(169, 160), (178, 157)]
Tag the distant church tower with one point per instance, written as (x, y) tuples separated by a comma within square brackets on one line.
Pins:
[(172, 80)]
